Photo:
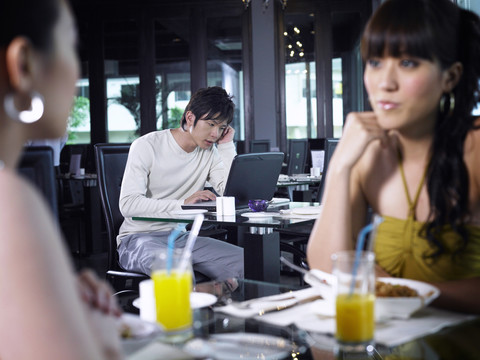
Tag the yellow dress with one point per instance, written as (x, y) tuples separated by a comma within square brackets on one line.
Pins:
[(401, 251)]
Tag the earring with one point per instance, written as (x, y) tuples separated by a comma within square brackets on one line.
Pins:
[(26, 116), (451, 104)]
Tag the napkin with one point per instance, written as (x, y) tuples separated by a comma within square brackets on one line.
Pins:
[(392, 332), (319, 317), (283, 317)]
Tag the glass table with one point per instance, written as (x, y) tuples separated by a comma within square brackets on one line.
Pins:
[(456, 342), (260, 242)]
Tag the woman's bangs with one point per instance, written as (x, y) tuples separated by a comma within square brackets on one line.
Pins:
[(402, 34)]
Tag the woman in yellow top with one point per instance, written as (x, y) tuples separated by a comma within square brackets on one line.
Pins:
[(414, 159)]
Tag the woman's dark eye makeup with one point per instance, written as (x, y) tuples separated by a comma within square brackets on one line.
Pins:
[(373, 62)]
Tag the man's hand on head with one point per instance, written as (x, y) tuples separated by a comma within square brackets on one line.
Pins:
[(227, 135)]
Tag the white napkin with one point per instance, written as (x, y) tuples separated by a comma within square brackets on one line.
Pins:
[(319, 317), (393, 332), (280, 318)]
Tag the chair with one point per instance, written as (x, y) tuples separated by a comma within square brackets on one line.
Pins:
[(297, 156), (259, 146), (330, 145), (110, 162), (36, 164)]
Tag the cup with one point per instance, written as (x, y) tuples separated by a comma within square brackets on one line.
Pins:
[(226, 205), (172, 286), (355, 300), (315, 171), (147, 301)]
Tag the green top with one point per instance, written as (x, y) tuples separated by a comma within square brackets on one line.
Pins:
[(400, 250)]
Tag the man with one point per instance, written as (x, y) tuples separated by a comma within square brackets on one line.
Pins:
[(168, 168)]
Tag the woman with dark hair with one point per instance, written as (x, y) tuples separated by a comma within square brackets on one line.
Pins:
[(47, 312), (413, 158)]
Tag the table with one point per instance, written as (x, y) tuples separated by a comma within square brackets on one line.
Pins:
[(260, 242), (453, 343), (298, 187), (85, 200)]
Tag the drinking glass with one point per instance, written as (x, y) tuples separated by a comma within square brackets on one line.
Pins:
[(355, 299), (172, 287)]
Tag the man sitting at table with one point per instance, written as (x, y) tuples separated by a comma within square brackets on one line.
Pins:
[(168, 168)]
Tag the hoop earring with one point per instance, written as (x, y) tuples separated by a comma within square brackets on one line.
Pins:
[(451, 104), (34, 113)]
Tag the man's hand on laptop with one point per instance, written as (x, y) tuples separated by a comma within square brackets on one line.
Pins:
[(203, 195)]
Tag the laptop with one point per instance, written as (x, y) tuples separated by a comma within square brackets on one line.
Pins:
[(252, 176)]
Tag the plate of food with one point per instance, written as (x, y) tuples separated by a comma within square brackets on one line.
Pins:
[(400, 298), (395, 297)]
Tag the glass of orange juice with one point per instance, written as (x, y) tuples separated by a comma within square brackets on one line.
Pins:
[(355, 299), (172, 287)]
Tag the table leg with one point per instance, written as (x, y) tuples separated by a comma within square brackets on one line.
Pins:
[(261, 256)]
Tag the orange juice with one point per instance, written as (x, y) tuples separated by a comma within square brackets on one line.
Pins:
[(355, 317), (172, 298)]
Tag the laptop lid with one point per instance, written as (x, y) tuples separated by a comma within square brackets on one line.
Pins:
[(252, 176)]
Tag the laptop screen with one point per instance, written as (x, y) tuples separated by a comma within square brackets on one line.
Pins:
[(252, 176)]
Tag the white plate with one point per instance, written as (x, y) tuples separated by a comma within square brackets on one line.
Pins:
[(137, 328), (197, 300), (246, 346), (189, 212), (404, 307), (385, 307), (260, 214), (308, 210)]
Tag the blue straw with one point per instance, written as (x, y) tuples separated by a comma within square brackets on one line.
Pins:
[(360, 246), (170, 246)]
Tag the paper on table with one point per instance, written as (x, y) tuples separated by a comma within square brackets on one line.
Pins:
[(318, 317), (393, 332), (280, 318)]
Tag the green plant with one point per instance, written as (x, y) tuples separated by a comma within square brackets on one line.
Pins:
[(78, 116)]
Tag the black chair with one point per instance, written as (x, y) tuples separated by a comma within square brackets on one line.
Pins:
[(297, 156), (36, 164), (330, 145), (259, 146), (110, 162)]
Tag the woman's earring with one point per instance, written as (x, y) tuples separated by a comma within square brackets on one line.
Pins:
[(26, 116), (451, 104)]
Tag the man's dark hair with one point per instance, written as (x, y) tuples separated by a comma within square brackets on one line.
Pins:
[(212, 103)]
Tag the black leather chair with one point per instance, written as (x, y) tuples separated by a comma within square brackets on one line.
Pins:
[(36, 164), (297, 156), (110, 162), (330, 145)]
